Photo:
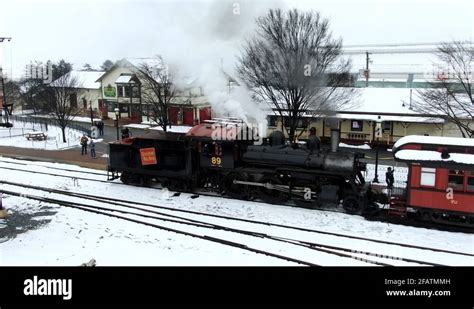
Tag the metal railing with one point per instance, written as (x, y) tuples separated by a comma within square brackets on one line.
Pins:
[(44, 122)]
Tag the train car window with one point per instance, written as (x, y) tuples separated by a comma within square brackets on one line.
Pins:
[(456, 180), (470, 181), (428, 177)]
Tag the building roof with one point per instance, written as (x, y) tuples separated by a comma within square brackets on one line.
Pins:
[(394, 102), (123, 79), (384, 101), (391, 104), (411, 119), (85, 79)]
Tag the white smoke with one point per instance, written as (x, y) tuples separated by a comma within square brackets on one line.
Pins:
[(202, 48)]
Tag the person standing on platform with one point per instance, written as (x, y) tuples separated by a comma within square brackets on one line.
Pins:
[(92, 145), (389, 178), (84, 141)]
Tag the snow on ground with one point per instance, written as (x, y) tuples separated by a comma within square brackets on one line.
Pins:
[(15, 136), (86, 119), (137, 126), (364, 146), (400, 174), (70, 237), (76, 119)]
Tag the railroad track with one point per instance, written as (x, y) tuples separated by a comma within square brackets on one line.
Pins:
[(367, 256), (104, 174), (381, 216)]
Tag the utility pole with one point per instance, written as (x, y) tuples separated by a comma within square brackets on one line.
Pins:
[(367, 59)]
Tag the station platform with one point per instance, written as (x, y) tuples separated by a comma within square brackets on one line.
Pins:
[(68, 156)]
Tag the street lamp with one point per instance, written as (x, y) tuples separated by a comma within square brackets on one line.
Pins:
[(378, 134), (92, 114), (117, 111)]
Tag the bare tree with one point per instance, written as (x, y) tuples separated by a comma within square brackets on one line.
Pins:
[(451, 95), (11, 91), (30, 93), (61, 68), (87, 67), (61, 98), (158, 89), (295, 65)]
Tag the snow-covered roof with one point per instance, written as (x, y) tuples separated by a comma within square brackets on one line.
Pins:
[(411, 119), (434, 140), (123, 79), (392, 104), (430, 155), (384, 100), (85, 79), (174, 129), (137, 62)]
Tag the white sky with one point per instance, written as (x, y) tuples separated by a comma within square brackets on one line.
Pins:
[(90, 31)]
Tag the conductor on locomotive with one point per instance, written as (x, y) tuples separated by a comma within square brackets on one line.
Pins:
[(389, 178), (126, 133), (314, 143)]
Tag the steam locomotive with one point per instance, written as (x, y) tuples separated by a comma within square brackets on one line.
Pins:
[(234, 164)]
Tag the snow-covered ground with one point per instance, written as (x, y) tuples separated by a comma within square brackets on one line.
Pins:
[(400, 174), (76, 119), (364, 146), (39, 233), (15, 136)]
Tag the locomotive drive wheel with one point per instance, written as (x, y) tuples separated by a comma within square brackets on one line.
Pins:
[(234, 190), (271, 195), (352, 204)]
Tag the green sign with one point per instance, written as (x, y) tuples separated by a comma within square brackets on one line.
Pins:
[(110, 91)]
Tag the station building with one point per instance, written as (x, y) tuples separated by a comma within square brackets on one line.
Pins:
[(356, 124), (121, 88)]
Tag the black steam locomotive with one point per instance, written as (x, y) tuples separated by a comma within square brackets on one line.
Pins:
[(239, 168)]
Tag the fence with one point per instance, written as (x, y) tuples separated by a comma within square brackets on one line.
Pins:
[(43, 123), (25, 125)]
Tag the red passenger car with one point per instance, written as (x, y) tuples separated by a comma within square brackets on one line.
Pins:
[(440, 184)]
